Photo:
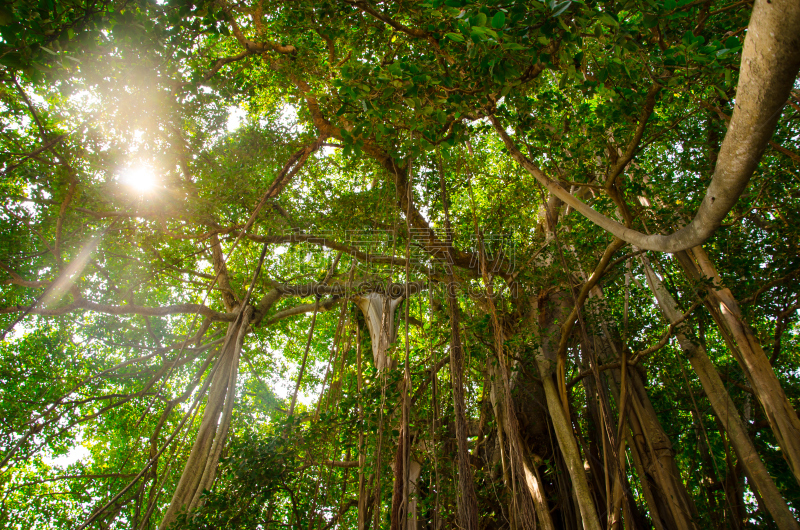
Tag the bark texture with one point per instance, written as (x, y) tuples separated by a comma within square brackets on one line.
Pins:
[(653, 455), (552, 312)]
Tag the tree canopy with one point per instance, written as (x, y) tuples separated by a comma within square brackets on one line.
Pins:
[(421, 265)]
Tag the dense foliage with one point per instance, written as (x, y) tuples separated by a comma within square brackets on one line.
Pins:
[(198, 188)]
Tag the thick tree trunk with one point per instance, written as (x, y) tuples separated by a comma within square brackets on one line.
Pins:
[(414, 471), (656, 446), (669, 502), (533, 482), (551, 314), (526, 473), (725, 410), (572, 457), (397, 515)]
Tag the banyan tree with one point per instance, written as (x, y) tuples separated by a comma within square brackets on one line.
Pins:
[(400, 265)]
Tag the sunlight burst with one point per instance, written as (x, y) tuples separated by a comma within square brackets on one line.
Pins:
[(139, 177)]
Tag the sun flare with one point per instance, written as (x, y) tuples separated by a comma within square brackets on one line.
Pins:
[(140, 177)]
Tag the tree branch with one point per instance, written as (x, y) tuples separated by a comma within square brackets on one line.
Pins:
[(770, 63)]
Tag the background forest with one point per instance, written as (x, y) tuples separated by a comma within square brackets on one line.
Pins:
[(422, 265)]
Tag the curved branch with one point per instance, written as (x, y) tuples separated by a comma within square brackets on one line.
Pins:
[(770, 63), (366, 8), (325, 241), (425, 235), (635, 358), (16, 279), (251, 46), (587, 287), (768, 286), (301, 309), (222, 62), (33, 153), (633, 146)]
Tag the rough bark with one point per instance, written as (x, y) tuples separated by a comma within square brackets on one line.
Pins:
[(525, 468), (414, 471), (399, 486), (572, 457), (655, 449), (550, 316), (526, 508)]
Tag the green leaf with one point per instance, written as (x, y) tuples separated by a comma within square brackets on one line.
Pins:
[(608, 20), (12, 60), (458, 37), (482, 32), (6, 17), (732, 42), (560, 8), (499, 20)]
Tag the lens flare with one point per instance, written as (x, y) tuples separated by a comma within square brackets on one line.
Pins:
[(139, 177)]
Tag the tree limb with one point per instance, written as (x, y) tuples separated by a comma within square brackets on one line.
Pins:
[(770, 63)]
